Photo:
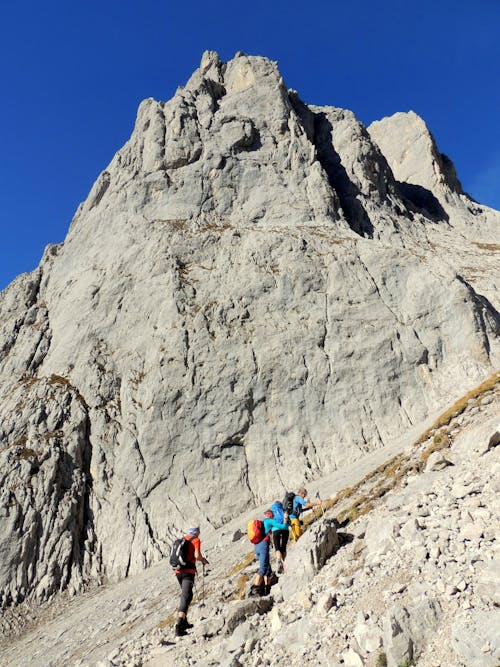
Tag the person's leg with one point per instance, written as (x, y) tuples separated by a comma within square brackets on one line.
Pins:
[(260, 551), (295, 528), (186, 581), (278, 544), (284, 543), (267, 571), (282, 540)]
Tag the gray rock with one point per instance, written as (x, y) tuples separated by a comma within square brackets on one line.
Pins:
[(493, 441), (406, 630), (368, 636), (470, 637), (311, 552), (487, 582), (237, 535), (240, 636), (325, 602), (352, 659), (237, 612), (211, 626), (380, 536), (437, 461)]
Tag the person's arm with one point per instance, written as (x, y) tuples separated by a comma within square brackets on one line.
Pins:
[(310, 505), (197, 553)]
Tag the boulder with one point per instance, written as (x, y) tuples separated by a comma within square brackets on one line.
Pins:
[(437, 461), (368, 636), (352, 659), (477, 639), (380, 536), (487, 581), (237, 612), (311, 552), (407, 629)]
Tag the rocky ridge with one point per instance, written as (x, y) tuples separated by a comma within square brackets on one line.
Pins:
[(250, 279)]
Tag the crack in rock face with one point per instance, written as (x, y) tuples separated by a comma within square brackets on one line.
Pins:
[(254, 293)]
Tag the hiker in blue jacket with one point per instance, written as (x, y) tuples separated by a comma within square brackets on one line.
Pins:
[(262, 583), (299, 505)]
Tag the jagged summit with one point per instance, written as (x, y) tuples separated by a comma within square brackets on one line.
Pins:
[(251, 295)]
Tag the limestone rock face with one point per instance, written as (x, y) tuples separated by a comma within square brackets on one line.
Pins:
[(248, 297), (427, 178)]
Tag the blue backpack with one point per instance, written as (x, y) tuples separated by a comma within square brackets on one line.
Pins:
[(277, 510)]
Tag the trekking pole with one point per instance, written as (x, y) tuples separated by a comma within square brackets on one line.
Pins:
[(203, 587)]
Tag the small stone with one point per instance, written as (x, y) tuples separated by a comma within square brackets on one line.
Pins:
[(304, 599), (325, 602), (351, 658), (398, 588), (275, 620), (346, 582)]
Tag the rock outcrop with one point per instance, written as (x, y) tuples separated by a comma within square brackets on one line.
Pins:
[(250, 295)]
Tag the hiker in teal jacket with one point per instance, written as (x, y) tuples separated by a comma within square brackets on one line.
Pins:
[(262, 585), (280, 535)]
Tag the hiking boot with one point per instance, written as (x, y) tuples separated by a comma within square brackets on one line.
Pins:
[(280, 568), (180, 630), (255, 591), (267, 589), (180, 627), (188, 625)]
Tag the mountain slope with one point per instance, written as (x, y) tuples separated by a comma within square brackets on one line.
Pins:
[(247, 298)]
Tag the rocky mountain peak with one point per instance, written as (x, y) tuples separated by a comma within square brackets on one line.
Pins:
[(414, 158), (250, 296)]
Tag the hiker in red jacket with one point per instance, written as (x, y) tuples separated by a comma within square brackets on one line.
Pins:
[(185, 577)]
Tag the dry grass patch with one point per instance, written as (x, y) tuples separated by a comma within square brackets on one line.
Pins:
[(241, 565), (168, 622), (440, 441), (356, 510), (26, 453), (241, 586), (487, 246), (459, 406), (59, 379), (214, 227)]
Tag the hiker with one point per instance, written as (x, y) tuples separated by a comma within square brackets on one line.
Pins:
[(262, 583), (280, 535), (185, 576), (300, 504)]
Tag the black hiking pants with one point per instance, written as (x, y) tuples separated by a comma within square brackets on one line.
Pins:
[(280, 540), (186, 582)]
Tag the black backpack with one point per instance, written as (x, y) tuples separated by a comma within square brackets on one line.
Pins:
[(288, 502), (178, 553)]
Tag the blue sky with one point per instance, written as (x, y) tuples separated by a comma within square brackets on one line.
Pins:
[(72, 75)]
